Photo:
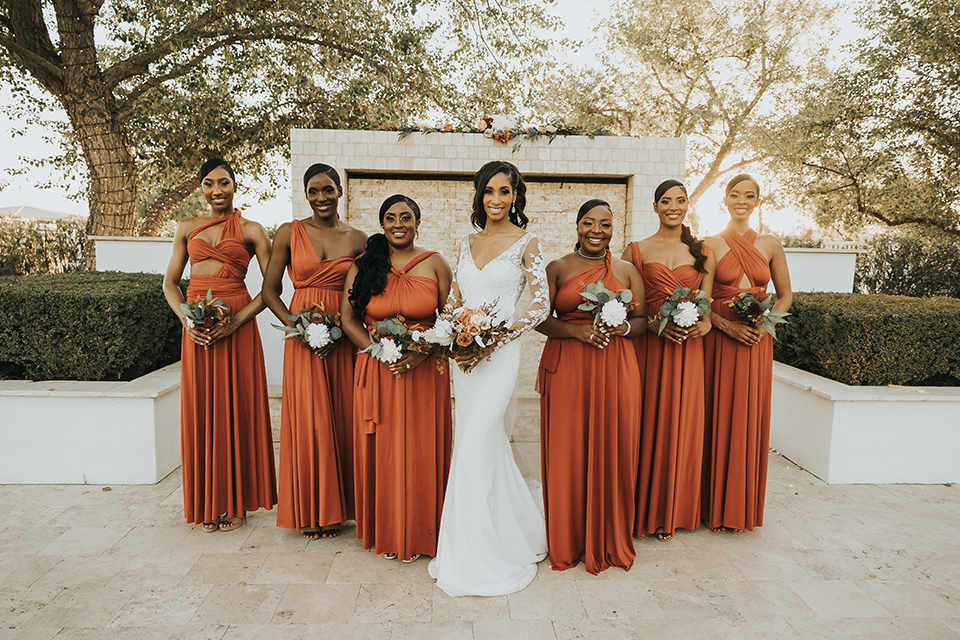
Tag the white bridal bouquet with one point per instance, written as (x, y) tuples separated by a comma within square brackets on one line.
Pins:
[(314, 327)]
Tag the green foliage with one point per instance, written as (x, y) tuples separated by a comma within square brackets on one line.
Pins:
[(806, 241), (709, 70), (910, 265), (30, 246), (879, 141), (86, 326), (873, 339)]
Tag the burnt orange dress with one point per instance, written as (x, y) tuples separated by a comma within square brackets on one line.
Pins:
[(738, 389), (671, 449), (402, 430), (589, 438), (316, 421), (226, 445)]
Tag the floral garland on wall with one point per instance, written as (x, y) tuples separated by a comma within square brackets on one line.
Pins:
[(502, 130)]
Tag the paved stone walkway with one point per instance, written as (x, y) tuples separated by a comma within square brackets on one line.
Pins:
[(854, 561)]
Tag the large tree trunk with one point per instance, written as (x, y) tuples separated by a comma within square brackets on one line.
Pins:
[(93, 113), (157, 212)]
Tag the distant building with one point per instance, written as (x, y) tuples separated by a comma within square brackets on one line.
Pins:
[(34, 213)]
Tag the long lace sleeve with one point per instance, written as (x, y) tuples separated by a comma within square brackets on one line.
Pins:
[(454, 298), (535, 274)]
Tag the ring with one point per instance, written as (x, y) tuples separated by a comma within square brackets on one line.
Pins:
[(408, 365)]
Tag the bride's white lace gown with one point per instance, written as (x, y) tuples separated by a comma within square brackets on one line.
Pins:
[(492, 530)]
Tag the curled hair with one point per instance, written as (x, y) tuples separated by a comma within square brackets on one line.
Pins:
[(319, 168), (694, 243), (585, 208), (373, 264), (479, 216), (212, 164), (737, 179)]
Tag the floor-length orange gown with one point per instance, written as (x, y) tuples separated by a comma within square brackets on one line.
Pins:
[(402, 430), (225, 439), (738, 388), (671, 449), (316, 423), (589, 437)]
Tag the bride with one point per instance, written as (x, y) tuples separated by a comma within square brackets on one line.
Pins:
[(492, 530)]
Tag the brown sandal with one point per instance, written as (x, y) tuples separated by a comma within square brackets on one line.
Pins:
[(229, 523)]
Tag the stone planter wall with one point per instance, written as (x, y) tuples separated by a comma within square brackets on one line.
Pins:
[(66, 432), (868, 435)]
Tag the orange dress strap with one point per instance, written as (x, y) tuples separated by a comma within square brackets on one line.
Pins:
[(635, 254), (410, 265), (230, 249), (747, 261)]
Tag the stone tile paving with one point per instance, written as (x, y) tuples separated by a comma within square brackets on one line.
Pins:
[(842, 561)]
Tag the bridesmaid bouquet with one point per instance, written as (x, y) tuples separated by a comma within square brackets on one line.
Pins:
[(390, 338), (755, 309), (685, 307), (314, 328), (609, 307), (206, 312), (466, 331)]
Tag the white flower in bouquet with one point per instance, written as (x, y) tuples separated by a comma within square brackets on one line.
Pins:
[(318, 335), (613, 313), (190, 323), (417, 336), (687, 315), (391, 351), (441, 333)]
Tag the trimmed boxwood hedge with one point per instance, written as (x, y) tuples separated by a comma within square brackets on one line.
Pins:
[(873, 339), (85, 326)]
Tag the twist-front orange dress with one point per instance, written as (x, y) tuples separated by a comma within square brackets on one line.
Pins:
[(225, 440), (316, 423), (671, 449), (738, 389), (402, 429), (589, 437)]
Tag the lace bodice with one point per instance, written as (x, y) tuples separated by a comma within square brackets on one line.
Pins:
[(502, 281)]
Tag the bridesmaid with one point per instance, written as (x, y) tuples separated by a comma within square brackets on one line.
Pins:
[(402, 423), (671, 451), (739, 367), (589, 409), (225, 437), (316, 423)]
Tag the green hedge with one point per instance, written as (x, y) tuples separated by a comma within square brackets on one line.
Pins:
[(907, 264), (33, 246), (85, 326), (873, 339)]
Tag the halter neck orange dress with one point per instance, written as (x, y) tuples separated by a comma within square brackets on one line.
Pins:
[(738, 389), (225, 439), (671, 449), (316, 420), (402, 429), (589, 437)]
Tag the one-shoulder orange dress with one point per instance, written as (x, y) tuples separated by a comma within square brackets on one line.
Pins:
[(225, 439), (589, 437), (738, 389), (671, 449), (316, 421), (402, 429)]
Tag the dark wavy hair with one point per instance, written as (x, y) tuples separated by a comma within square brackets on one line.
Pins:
[(319, 168), (212, 164), (373, 264), (584, 208), (686, 236), (479, 216), (737, 179)]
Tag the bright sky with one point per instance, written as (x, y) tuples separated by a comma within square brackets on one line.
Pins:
[(579, 16)]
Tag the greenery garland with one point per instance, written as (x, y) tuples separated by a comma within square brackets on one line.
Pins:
[(506, 133)]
